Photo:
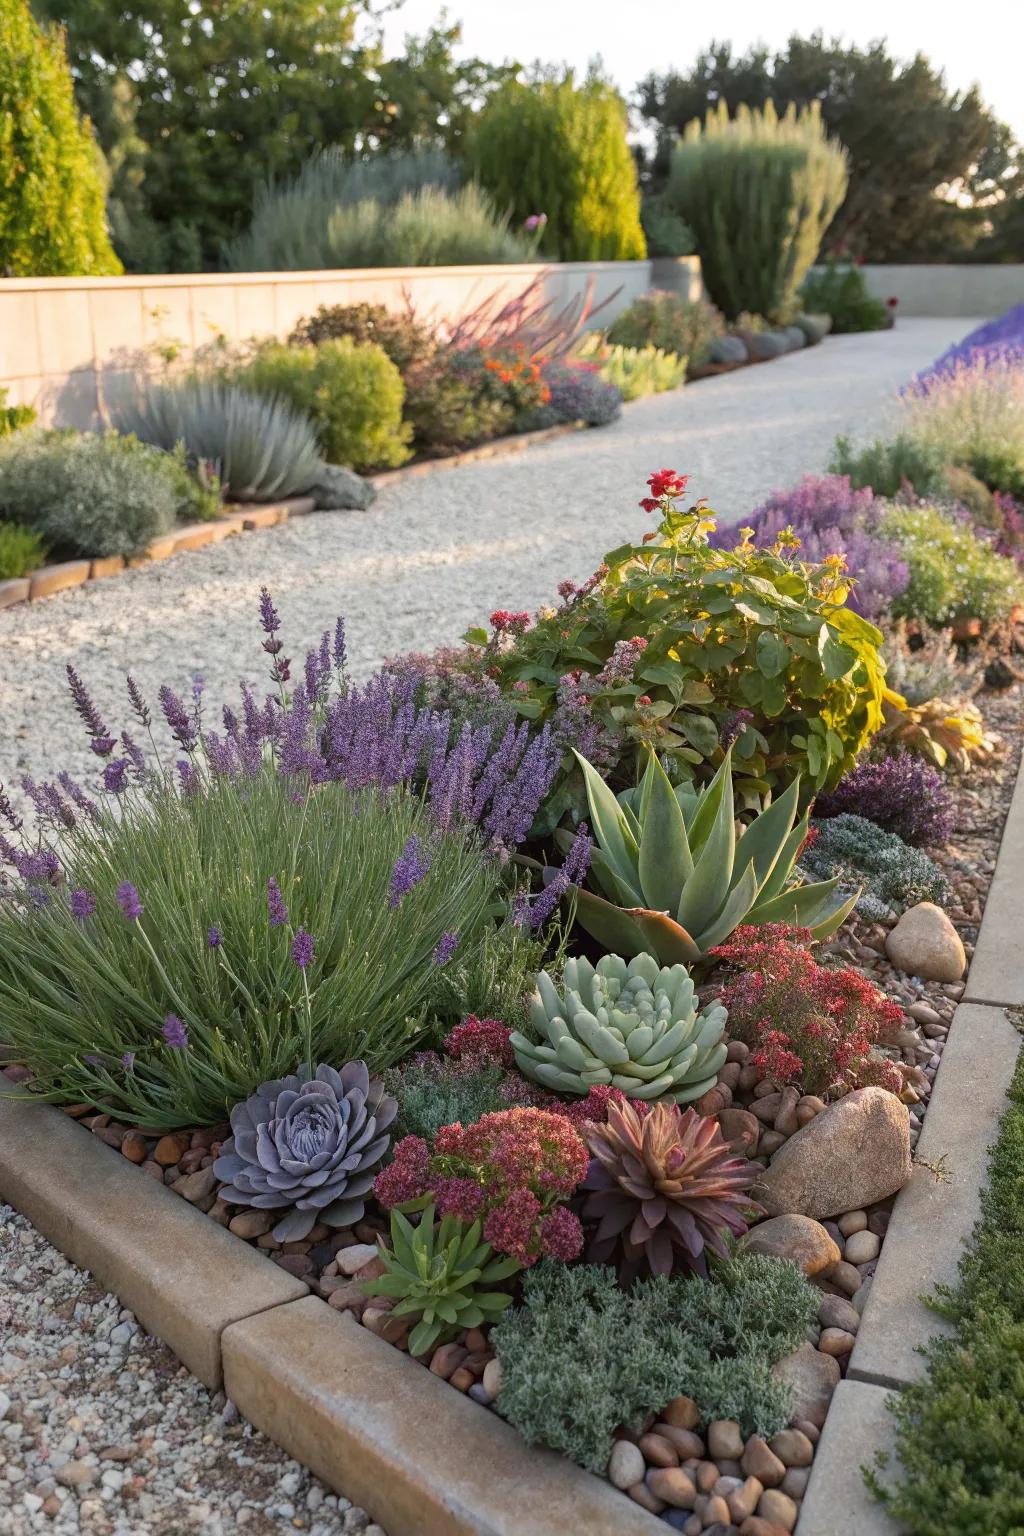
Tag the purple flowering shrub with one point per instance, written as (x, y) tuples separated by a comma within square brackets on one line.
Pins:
[(320, 879), (577, 392), (830, 517), (901, 794), (999, 338)]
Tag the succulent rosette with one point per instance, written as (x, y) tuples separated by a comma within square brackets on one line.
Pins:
[(308, 1145)]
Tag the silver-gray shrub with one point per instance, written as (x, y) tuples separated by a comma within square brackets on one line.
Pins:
[(401, 210), (261, 446), (88, 494)]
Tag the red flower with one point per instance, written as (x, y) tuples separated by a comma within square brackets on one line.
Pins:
[(891, 303), (484, 1042), (502, 620)]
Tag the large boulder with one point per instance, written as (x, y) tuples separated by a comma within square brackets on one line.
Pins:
[(924, 943), (764, 345), (855, 1152), (813, 1377), (793, 1237), (729, 349), (339, 489)]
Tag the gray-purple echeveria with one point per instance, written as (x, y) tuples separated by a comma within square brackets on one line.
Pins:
[(309, 1145)]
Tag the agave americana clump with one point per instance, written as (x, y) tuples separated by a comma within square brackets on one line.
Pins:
[(677, 875), (635, 1027)]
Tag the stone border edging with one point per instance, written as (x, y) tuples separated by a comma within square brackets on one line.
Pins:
[(375, 1425), (934, 1215)]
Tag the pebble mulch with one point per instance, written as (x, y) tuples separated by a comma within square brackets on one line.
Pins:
[(103, 1433)]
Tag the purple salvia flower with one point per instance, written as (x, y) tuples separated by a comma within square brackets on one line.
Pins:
[(175, 1033), (128, 900), (271, 623), (445, 948), (409, 869), (276, 909), (318, 671), (269, 619), (138, 703), (128, 1060), (183, 726), (220, 755), (297, 753), (102, 741), (82, 903), (214, 937), (230, 719), (115, 776), (92, 1061), (538, 912), (733, 727), (302, 949)]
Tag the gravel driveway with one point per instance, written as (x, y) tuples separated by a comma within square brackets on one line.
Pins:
[(79, 1387), (440, 552)]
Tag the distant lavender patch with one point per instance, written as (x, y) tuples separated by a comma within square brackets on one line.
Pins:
[(902, 794), (829, 517), (993, 341)]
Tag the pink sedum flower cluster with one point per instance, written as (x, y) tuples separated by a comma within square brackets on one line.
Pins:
[(480, 1043)]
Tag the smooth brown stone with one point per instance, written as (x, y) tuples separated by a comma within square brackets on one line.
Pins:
[(134, 1148), (672, 1486), (658, 1451), (760, 1461), (169, 1149), (681, 1413)]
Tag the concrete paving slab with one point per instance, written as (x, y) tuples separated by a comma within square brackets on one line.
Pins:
[(997, 969), (837, 1502)]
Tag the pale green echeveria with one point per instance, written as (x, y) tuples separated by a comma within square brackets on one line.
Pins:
[(633, 1026), (677, 875)]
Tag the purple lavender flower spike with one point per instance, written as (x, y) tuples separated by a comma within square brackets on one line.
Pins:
[(536, 913), (276, 909), (302, 949), (214, 937), (128, 900), (135, 756), (183, 726), (7, 812), (445, 948), (175, 1033), (138, 703), (82, 904), (101, 740), (77, 794), (115, 776), (188, 777), (128, 1061), (340, 651), (409, 869), (269, 620)]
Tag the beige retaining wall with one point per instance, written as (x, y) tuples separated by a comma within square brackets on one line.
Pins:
[(977, 291), (66, 344)]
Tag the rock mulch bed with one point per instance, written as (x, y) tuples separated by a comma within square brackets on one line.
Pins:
[(103, 1432)]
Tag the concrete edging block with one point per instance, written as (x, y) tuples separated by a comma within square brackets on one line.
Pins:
[(423, 1459), (14, 590), (185, 1277), (837, 1500), (935, 1213), (997, 969)]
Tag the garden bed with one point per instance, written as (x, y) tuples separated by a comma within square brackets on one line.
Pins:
[(276, 1322)]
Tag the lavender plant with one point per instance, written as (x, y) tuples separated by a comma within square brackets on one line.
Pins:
[(901, 794), (577, 393), (294, 887)]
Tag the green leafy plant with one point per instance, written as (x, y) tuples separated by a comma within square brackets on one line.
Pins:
[(549, 147), (439, 1273), (974, 415), (842, 293), (21, 551), (52, 220), (677, 880), (14, 417), (885, 872), (88, 494), (666, 233), (449, 406), (191, 906), (351, 391), (635, 1027), (890, 465), (636, 371), (410, 343), (759, 192), (954, 573), (432, 1093), (580, 1356), (261, 448), (686, 327)]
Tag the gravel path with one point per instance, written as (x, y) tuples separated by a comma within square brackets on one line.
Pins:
[(440, 552), (103, 1432)]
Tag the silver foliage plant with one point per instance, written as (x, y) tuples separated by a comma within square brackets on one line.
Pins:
[(309, 1145)]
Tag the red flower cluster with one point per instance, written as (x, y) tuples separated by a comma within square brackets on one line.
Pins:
[(594, 1108), (804, 1022), (509, 1169), (664, 482), (481, 1043), (502, 620)]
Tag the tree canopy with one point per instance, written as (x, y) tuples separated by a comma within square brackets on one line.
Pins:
[(907, 134)]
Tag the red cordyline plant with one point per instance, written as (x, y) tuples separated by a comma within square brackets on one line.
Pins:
[(664, 1189), (806, 1023), (544, 330), (509, 1170)]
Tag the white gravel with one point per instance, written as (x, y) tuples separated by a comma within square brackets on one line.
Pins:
[(440, 552), (103, 1432)]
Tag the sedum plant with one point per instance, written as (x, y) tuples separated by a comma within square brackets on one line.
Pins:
[(636, 371), (889, 875), (954, 572), (309, 1145), (676, 879), (759, 192), (262, 447), (439, 1272), (664, 1190), (634, 1027)]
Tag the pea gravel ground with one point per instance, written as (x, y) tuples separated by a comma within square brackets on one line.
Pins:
[(100, 1431)]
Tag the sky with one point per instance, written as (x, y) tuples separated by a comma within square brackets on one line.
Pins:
[(982, 42)]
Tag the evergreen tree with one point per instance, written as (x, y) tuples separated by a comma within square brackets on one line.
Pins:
[(549, 146), (52, 178)]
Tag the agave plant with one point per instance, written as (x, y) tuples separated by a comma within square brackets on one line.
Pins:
[(434, 1271), (663, 1190), (262, 447), (308, 1145), (635, 1027), (678, 876)]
